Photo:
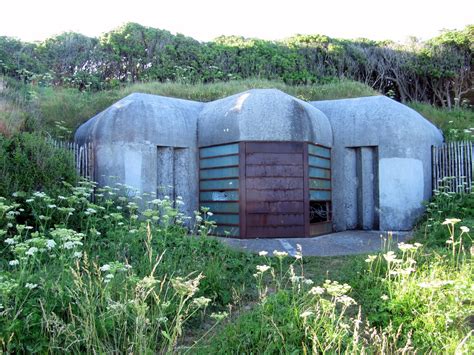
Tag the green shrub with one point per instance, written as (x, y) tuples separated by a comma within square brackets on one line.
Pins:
[(456, 123), (73, 107), (81, 276), (29, 163), (431, 231)]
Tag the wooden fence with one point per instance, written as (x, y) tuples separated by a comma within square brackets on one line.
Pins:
[(83, 156), (453, 167)]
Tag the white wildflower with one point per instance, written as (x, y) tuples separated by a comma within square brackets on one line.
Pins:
[(31, 251), (465, 229), (295, 278), (10, 241), (186, 287), (219, 316), (105, 267), (280, 254), (77, 254), (345, 300), (370, 258), (451, 221), (435, 283), (69, 245), (201, 301), (316, 290), (263, 268), (263, 253), (406, 246), (390, 256), (31, 286), (13, 262), (384, 297), (50, 244)]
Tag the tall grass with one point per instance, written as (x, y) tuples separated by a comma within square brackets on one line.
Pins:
[(72, 107), (413, 300), (456, 124), (105, 277), (32, 107)]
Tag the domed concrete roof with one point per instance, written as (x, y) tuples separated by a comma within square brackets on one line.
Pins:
[(262, 115), (144, 118), (373, 120)]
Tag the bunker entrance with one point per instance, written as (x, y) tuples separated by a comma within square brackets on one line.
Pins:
[(362, 188), (267, 189), (169, 159)]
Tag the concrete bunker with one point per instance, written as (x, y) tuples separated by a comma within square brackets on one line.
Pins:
[(265, 160), (269, 165)]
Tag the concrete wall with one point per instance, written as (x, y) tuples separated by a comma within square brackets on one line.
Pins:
[(403, 141), (130, 138), (381, 156)]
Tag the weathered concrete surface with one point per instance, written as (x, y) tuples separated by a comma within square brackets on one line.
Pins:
[(341, 243), (381, 156), (402, 138), (127, 137), (262, 115)]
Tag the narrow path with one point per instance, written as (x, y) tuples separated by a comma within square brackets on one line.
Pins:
[(334, 244)]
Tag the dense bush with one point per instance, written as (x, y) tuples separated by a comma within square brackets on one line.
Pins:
[(408, 300), (457, 123), (438, 71), (28, 162), (104, 277), (444, 204), (35, 108)]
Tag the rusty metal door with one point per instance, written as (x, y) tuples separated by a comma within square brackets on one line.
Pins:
[(274, 201)]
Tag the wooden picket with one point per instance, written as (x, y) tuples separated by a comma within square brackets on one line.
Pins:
[(453, 167), (83, 156)]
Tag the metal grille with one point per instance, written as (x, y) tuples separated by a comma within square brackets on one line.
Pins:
[(453, 167), (83, 156)]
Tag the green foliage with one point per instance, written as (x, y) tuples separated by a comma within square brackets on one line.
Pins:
[(437, 71), (103, 276), (29, 163), (413, 300), (456, 124), (51, 105), (425, 293), (111, 273), (431, 230)]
